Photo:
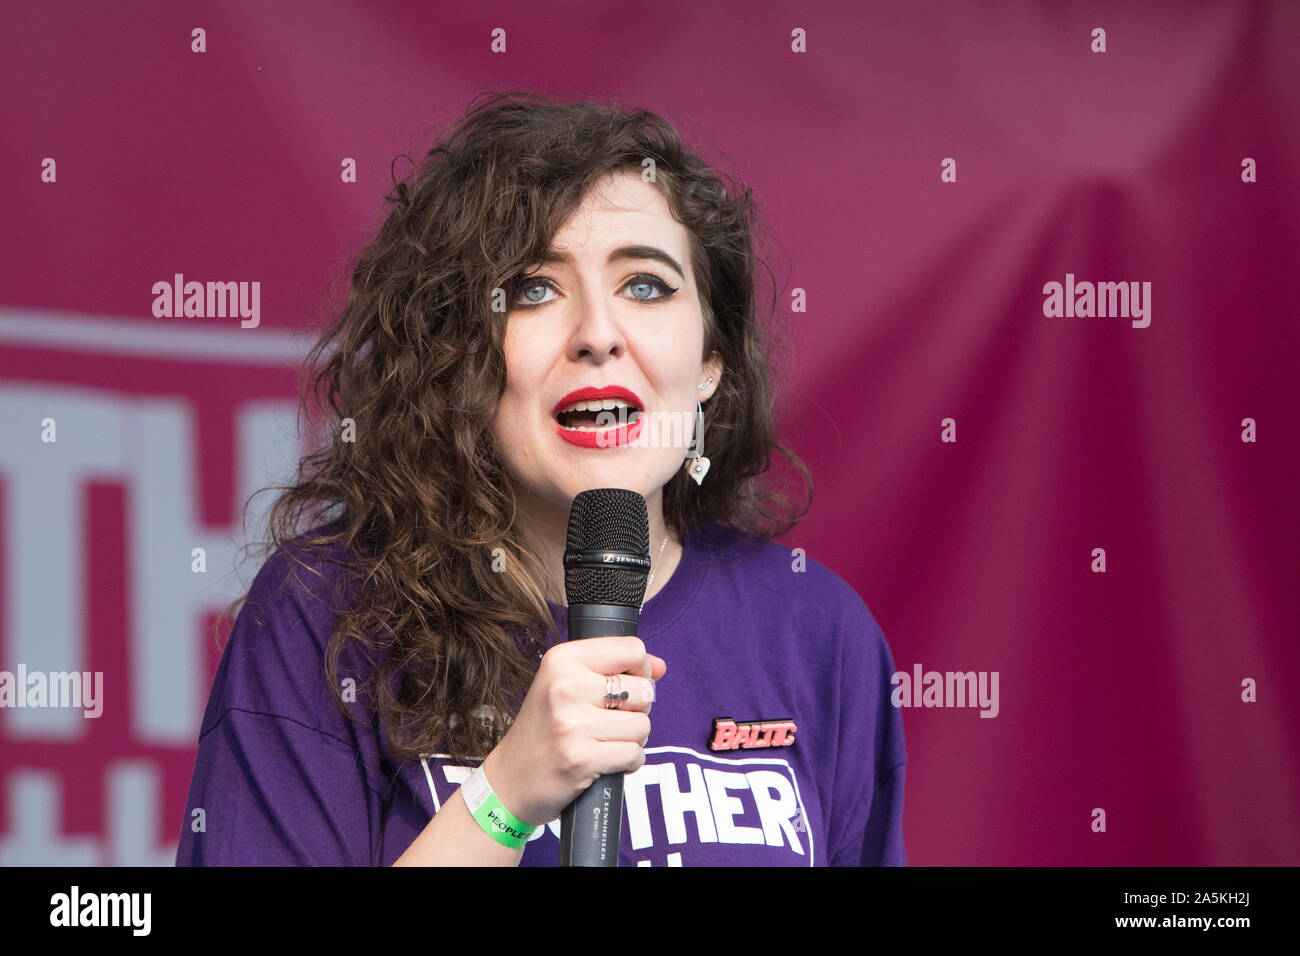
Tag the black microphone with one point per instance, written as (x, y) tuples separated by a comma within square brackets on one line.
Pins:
[(606, 560)]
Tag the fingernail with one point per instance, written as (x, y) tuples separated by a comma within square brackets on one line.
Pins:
[(648, 695)]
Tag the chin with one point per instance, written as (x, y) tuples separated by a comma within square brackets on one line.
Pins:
[(609, 477)]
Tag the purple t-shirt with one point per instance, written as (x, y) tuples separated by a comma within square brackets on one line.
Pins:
[(750, 632)]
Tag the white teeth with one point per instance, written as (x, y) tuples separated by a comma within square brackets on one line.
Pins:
[(633, 414), (596, 405)]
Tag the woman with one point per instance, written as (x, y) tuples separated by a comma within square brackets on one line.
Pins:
[(398, 688)]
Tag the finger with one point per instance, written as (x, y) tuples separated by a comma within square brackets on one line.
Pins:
[(609, 655), (640, 692), (619, 757), (652, 669), (638, 765), (642, 669), (621, 726), (658, 666)]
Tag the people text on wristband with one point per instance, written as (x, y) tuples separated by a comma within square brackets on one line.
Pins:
[(490, 814)]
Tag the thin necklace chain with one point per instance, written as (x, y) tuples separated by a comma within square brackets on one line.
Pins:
[(652, 571)]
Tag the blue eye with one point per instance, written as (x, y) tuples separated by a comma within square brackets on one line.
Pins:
[(649, 282), (532, 291), (528, 286)]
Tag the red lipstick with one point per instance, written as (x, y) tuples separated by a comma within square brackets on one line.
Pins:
[(613, 436)]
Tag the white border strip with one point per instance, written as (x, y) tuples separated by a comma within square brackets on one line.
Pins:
[(139, 338)]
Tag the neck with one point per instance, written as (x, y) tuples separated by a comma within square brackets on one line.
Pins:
[(545, 527)]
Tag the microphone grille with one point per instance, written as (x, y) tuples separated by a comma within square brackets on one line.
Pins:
[(607, 519)]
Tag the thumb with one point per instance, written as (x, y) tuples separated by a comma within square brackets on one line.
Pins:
[(658, 666)]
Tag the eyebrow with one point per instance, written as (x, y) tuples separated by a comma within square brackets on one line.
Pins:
[(624, 252)]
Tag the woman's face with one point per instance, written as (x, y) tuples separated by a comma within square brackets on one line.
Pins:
[(617, 309)]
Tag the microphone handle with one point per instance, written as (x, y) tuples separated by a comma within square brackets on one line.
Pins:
[(591, 827)]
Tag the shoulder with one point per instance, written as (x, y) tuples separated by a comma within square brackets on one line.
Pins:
[(783, 613), (301, 581), (785, 582), (273, 661)]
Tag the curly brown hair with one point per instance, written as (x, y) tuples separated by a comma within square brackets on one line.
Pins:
[(417, 498)]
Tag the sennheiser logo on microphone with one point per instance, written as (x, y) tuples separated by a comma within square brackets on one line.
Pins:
[(601, 559)]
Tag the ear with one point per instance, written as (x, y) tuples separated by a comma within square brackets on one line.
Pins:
[(711, 368)]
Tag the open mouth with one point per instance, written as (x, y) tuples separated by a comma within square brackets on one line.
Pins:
[(595, 414), (594, 409), (599, 417)]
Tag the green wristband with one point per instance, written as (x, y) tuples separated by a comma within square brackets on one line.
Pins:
[(490, 813)]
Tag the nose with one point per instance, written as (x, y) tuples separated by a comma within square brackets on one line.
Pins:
[(595, 334)]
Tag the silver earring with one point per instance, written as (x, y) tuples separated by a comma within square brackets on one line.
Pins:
[(705, 384), (697, 466)]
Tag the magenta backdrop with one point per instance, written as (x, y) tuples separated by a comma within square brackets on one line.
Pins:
[(1120, 690)]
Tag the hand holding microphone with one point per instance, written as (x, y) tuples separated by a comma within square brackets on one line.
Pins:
[(564, 737), (585, 720)]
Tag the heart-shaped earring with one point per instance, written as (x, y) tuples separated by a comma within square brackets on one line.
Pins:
[(698, 468)]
